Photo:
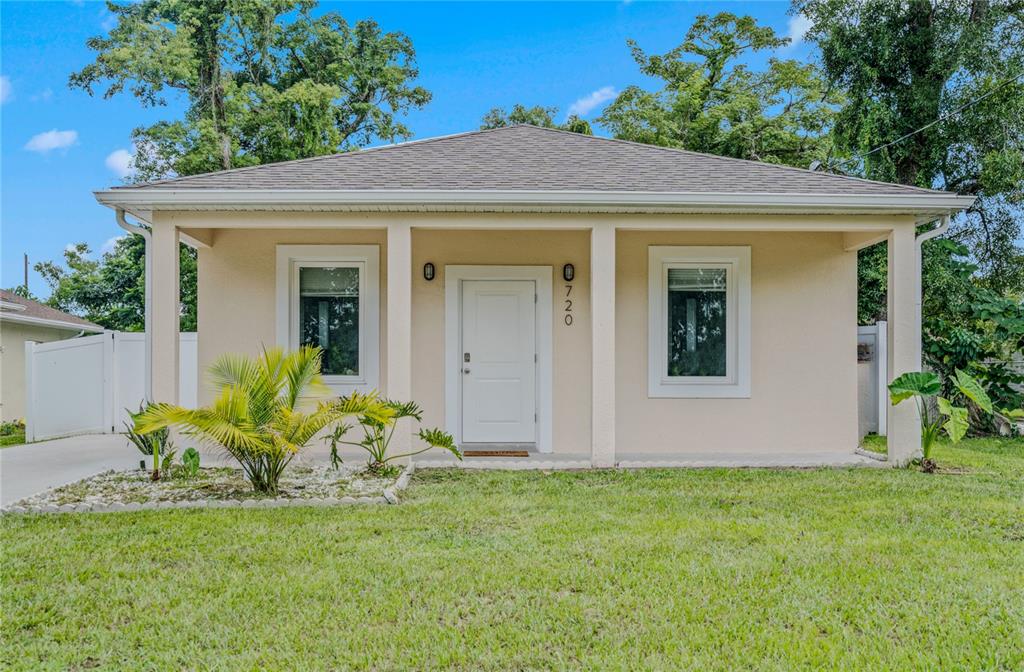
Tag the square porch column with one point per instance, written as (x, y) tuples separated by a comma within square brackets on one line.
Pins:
[(399, 327), (165, 313), (904, 335), (602, 311)]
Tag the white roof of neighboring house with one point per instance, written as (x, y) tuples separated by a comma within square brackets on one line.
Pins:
[(15, 308), (522, 166)]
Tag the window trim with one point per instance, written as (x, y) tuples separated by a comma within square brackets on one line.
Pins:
[(290, 258), (736, 382)]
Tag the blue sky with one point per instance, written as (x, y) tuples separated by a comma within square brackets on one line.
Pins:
[(58, 145)]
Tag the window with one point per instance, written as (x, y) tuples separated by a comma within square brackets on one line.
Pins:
[(699, 323), (328, 296)]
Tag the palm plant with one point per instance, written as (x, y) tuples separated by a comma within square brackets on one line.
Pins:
[(257, 417), (955, 420), (151, 444), (377, 433)]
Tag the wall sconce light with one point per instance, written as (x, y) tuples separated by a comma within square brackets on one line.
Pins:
[(568, 272), (428, 271)]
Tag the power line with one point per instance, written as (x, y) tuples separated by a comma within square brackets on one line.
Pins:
[(939, 120)]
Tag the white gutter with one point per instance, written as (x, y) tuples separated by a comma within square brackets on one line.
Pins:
[(18, 318), (148, 308), (157, 198)]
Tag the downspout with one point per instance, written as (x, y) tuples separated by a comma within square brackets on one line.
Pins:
[(942, 228), (148, 367)]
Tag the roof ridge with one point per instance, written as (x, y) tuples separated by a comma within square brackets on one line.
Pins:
[(310, 159), (679, 150)]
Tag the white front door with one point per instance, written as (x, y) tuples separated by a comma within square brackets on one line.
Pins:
[(499, 367)]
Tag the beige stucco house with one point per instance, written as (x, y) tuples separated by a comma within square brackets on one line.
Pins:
[(24, 320), (573, 295)]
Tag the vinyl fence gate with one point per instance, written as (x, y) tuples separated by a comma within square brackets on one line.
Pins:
[(87, 385)]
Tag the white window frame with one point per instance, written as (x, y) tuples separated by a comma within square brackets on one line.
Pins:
[(736, 382), (291, 258)]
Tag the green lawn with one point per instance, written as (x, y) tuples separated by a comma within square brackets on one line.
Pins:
[(713, 569), (15, 439)]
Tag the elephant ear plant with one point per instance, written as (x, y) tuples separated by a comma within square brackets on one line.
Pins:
[(259, 416), (377, 433), (955, 420)]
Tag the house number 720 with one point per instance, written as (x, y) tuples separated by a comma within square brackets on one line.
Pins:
[(568, 305)]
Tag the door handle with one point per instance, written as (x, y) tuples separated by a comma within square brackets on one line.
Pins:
[(465, 370)]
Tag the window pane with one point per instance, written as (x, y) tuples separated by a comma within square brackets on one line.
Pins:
[(329, 316), (696, 321)]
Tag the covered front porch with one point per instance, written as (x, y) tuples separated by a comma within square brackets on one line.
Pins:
[(592, 396)]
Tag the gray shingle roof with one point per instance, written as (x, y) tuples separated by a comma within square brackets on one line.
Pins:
[(533, 158), (41, 311)]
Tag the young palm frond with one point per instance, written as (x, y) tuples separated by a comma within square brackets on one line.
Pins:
[(256, 418)]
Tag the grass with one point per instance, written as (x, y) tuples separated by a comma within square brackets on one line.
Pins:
[(703, 569), (13, 439)]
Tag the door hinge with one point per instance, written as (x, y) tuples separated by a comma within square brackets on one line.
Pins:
[(535, 298), (535, 358)]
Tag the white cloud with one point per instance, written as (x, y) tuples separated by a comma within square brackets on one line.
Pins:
[(111, 244), (587, 103), (51, 140), (798, 27), (5, 89), (45, 96), (120, 161)]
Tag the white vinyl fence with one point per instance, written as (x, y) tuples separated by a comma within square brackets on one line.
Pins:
[(86, 385), (872, 378)]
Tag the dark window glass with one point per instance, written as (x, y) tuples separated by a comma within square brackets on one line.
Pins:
[(329, 316), (696, 321)]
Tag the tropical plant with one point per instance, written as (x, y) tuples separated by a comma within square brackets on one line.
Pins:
[(377, 433), (190, 462), (151, 444), (258, 417), (955, 420)]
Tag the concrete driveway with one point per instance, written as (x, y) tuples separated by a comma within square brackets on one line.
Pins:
[(34, 467)]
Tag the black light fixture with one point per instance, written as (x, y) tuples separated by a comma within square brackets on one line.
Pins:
[(428, 271), (568, 272)]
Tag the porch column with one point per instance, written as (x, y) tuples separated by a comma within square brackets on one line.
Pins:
[(399, 327), (602, 311), (165, 312), (904, 334)]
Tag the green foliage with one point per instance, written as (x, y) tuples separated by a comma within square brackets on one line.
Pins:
[(264, 82), (110, 291), (258, 417), (711, 101), (378, 431), (955, 420), (151, 444), (190, 462), (537, 115), (903, 65)]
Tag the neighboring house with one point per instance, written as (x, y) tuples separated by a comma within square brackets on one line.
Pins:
[(573, 294), (24, 320)]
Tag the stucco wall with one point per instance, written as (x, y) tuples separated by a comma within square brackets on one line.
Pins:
[(803, 352), (236, 305), (804, 370), (12, 363)]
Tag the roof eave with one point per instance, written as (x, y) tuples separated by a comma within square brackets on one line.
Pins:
[(53, 324), (527, 201)]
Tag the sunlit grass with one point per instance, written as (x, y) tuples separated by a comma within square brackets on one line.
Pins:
[(699, 569)]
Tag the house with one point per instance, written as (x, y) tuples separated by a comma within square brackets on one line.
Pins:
[(24, 320), (532, 287)]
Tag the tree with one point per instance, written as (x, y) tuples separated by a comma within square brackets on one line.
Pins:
[(537, 115), (711, 102), (263, 82), (110, 291), (905, 66)]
